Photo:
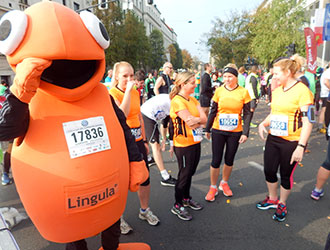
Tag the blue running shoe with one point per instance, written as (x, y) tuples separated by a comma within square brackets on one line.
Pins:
[(267, 204), (280, 213), (5, 180), (315, 195)]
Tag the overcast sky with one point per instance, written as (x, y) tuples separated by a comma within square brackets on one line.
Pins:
[(177, 13)]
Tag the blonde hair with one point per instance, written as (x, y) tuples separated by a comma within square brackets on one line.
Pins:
[(116, 68), (241, 70), (300, 60), (294, 64), (231, 65), (181, 79)]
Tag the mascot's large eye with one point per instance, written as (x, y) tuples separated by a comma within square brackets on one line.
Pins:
[(96, 28), (13, 26)]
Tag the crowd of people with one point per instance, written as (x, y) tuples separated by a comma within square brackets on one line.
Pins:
[(183, 108), (219, 105)]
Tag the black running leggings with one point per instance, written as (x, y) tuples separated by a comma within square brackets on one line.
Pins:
[(188, 159), (219, 141), (278, 152), (109, 239)]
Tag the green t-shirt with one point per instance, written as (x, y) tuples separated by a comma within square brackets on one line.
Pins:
[(241, 80), (311, 78), (2, 89)]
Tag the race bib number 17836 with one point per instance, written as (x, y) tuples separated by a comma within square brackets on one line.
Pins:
[(86, 136)]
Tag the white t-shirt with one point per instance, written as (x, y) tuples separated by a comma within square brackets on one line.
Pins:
[(157, 107), (324, 90)]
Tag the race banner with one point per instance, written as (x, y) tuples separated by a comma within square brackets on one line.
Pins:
[(326, 25), (311, 50), (318, 25)]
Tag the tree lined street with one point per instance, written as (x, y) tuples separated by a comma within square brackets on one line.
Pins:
[(228, 223)]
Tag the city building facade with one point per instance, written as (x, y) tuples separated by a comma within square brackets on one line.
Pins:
[(149, 14)]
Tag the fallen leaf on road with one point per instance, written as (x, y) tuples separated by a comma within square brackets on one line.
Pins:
[(241, 184), (228, 201), (251, 139), (169, 171), (324, 151), (294, 182), (287, 225), (328, 217), (301, 165)]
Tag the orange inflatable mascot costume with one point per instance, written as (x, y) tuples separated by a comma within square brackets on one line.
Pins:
[(74, 159)]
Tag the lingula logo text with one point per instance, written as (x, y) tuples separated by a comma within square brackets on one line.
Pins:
[(93, 199)]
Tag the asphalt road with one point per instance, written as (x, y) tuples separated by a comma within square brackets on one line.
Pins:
[(228, 223)]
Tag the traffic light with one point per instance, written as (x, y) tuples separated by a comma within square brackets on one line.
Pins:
[(291, 49), (150, 2), (102, 4)]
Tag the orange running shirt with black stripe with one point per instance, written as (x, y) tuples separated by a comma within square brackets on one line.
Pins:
[(286, 116), (230, 105), (183, 135), (132, 118)]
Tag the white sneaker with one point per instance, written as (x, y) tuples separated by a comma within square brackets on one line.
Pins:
[(124, 227), (149, 217)]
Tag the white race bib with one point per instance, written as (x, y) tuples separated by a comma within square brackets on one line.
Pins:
[(279, 125), (86, 136), (137, 133), (198, 134), (228, 122)]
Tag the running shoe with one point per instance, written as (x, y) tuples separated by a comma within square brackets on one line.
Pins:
[(151, 161), (192, 204), (181, 212), (149, 217), (125, 228), (5, 180), (212, 193), (315, 195), (267, 204), (252, 125), (280, 213), (170, 182), (224, 187)]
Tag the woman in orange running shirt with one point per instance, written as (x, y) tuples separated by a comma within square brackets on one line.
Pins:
[(186, 131), (289, 130), (128, 100)]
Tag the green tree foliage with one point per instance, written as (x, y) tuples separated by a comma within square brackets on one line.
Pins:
[(112, 18), (157, 51), (276, 26), (186, 59), (229, 39), (172, 51), (177, 62), (136, 43)]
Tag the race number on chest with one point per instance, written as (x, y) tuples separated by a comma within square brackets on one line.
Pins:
[(279, 125), (228, 122), (86, 136)]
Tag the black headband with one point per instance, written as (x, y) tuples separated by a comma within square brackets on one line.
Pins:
[(231, 71)]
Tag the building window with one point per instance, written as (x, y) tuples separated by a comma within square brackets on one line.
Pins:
[(64, 2), (76, 6), (23, 2), (10, 5)]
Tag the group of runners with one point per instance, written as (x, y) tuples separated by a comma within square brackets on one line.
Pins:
[(224, 116)]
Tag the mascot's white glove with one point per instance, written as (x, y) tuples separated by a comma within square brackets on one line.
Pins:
[(138, 173), (27, 78)]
